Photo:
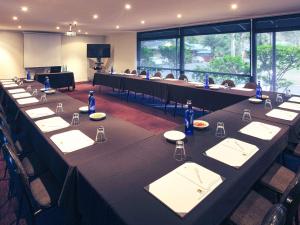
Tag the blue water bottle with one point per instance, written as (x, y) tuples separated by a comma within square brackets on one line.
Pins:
[(258, 90), (92, 103), (189, 119), (28, 77), (206, 82), (147, 75), (47, 83)]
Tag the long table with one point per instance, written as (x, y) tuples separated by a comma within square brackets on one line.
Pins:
[(57, 80), (177, 90), (104, 183)]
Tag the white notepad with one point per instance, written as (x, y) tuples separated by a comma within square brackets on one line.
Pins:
[(260, 130), (24, 101), (185, 187), (232, 152), (6, 80), (71, 141), (10, 85), (294, 99), (290, 105), (282, 114), (21, 95), (51, 124), (17, 90), (241, 89), (39, 112)]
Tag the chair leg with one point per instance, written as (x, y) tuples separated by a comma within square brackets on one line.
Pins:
[(297, 218), (165, 108), (128, 95), (113, 89), (175, 109), (134, 94)]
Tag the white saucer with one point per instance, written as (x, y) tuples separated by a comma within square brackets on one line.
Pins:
[(255, 100), (84, 109), (174, 135)]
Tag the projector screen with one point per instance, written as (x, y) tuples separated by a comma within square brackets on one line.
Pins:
[(42, 50)]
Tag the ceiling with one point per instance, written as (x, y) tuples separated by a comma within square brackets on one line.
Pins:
[(46, 15)]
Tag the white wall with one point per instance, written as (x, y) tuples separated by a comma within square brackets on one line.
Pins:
[(74, 55), (124, 48), (11, 54)]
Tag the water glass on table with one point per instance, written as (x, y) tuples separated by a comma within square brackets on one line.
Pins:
[(100, 135), (279, 98), (34, 92), (43, 98), (247, 115), (179, 153), (29, 89), (59, 108), (268, 104), (288, 93), (220, 130), (75, 119)]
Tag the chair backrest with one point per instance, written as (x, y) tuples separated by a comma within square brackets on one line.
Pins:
[(127, 71), (183, 77), (170, 76), (250, 85), (143, 72), (157, 74), (133, 72), (211, 81), (291, 199), (229, 82), (275, 216)]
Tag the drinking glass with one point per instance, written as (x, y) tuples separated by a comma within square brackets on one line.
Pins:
[(268, 104), (279, 98), (247, 115), (34, 92), (43, 98), (226, 85), (100, 135), (29, 89), (75, 119), (59, 108), (220, 130), (185, 80), (179, 153), (288, 93)]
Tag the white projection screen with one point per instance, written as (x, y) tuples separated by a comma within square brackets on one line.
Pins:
[(42, 50)]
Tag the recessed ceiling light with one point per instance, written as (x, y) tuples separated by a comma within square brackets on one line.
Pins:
[(19, 26), (143, 22), (57, 28), (79, 31), (15, 18), (86, 33), (24, 8), (75, 22), (179, 15), (234, 6), (95, 16), (117, 27), (127, 6)]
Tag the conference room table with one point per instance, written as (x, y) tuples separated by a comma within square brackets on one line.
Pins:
[(260, 111), (57, 80), (105, 183), (174, 90)]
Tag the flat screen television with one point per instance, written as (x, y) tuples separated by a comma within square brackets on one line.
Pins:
[(98, 50)]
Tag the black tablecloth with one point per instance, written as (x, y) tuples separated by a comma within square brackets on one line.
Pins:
[(104, 183), (259, 111), (57, 80), (178, 91), (114, 192)]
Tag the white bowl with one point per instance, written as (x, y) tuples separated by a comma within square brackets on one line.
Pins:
[(174, 135)]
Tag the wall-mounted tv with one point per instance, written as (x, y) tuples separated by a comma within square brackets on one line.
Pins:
[(98, 50)]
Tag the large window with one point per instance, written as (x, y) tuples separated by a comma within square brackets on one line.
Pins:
[(226, 55), (162, 55), (278, 61)]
